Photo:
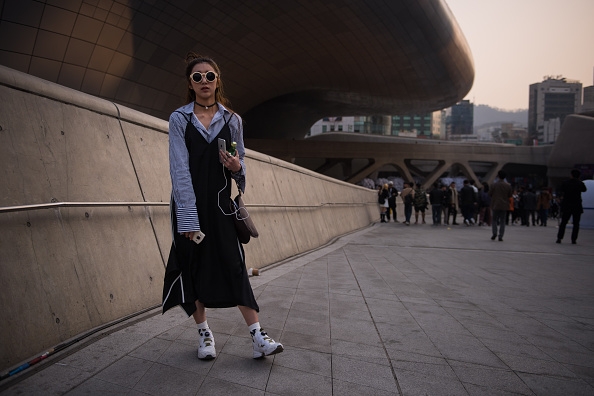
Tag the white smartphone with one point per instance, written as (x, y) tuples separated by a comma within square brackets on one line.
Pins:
[(198, 237), (222, 146)]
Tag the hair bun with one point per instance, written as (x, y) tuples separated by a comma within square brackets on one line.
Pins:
[(193, 57), (190, 56)]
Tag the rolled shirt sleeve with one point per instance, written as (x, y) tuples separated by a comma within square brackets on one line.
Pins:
[(181, 180)]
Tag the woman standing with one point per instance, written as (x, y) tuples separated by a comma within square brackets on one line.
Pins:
[(206, 266), (382, 199)]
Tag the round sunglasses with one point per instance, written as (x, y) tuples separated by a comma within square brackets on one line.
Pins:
[(209, 76)]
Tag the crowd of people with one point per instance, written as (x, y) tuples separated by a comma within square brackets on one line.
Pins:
[(495, 205)]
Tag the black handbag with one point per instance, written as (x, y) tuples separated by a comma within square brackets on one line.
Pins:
[(243, 222)]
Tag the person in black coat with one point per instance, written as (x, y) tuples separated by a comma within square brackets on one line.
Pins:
[(529, 208), (467, 202), (571, 205), (436, 197)]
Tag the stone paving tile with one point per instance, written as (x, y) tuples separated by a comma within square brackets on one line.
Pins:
[(344, 388), (363, 373), (360, 331), (530, 365), (306, 341), (415, 341), (387, 310), (516, 346), (56, 379), (95, 386), (309, 312), (287, 381), (216, 387), (172, 333), (585, 373), (313, 362), (415, 383), (244, 371), (465, 349), (152, 349), (544, 385), (359, 351), (237, 346), (125, 372), (438, 369), (165, 380), (476, 390), (489, 377), (183, 357), (308, 327), (93, 358)]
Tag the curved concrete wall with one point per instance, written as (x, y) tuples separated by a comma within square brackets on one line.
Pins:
[(573, 147), (66, 270)]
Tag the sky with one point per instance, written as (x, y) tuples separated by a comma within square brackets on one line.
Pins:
[(515, 43)]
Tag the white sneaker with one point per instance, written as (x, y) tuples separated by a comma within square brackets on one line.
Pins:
[(264, 345), (206, 345)]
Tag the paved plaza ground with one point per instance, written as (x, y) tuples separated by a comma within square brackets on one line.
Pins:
[(388, 310)]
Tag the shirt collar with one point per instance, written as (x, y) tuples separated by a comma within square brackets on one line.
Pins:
[(189, 109)]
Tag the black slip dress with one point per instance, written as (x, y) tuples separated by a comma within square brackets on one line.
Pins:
[(212, 272)]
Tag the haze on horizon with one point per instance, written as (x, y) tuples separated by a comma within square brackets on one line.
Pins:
[(515, 43)]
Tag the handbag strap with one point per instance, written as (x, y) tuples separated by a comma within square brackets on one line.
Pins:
[(238, 189)]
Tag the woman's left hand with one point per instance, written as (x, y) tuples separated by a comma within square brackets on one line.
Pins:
[(230, 162)]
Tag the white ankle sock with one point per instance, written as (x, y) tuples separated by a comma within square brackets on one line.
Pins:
[(203, 325), (255, 326)]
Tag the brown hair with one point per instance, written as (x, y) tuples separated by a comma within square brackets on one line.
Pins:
[(192, 59)]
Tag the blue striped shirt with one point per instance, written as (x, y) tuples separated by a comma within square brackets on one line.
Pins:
[(183, 194)]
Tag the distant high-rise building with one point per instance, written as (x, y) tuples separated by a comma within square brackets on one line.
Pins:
[(588, 99), (423, 125), (461, 120), (427, 125), (550, 102)]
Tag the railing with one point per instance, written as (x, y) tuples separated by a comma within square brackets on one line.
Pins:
[(53, 205)]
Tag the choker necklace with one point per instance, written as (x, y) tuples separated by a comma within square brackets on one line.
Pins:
[(206, 107)]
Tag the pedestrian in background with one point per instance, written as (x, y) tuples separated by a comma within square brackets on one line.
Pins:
[(420, 203), (408, 196), (500, 193), (445, 203), (453, 200), (529, 207), (435, 198), (467, 202), (382, 200), (475, 209), (392, 195), (571, 205), (543, 204), (484, 205)]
